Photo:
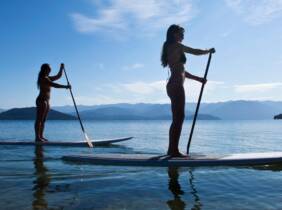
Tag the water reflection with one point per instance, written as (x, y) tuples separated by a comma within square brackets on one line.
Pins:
[(272, 167), (175, 188), (173, 185), (197, 202), (42, 180)]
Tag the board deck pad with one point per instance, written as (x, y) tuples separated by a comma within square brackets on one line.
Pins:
[(191, 161), (102, 142)]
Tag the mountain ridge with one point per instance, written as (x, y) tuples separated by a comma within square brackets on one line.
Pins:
[(229, 110), (117, 113), (29, 113)]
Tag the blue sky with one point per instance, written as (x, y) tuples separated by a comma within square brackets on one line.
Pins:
[(111, 49)]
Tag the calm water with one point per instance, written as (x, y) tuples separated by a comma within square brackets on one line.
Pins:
[(29, 182)]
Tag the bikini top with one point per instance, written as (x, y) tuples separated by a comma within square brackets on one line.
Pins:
[(182, 58)]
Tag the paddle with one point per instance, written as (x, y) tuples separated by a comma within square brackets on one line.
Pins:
[(198, 104), (77, 113)]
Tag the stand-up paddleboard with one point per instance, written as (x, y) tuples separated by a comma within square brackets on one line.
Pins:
[(103, 142), (191, 161)]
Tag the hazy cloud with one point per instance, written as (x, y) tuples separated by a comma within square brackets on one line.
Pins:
[(262, 87), (130, 16), (133, 66), (256, 12), (155, 92), (145, 88)]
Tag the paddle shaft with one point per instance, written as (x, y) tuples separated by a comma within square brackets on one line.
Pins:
[(198, 104), (77, 113)]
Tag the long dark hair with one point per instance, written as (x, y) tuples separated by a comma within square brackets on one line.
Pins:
[(171, 40), (45, 68)]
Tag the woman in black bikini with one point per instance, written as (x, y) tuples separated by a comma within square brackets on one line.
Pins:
[(44, 83), (173, 56)]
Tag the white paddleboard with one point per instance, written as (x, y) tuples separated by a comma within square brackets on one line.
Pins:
[(102, 142), (191, 161)]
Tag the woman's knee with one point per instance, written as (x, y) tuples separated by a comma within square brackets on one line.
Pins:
[(178, 119), (181, 118), (37, 123)]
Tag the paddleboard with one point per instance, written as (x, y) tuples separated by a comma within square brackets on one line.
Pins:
[(102, 142), (165, 161)]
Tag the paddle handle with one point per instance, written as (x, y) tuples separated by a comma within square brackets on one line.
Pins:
[(199, 102)]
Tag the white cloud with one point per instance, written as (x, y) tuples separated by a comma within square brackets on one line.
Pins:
[(130, 16), (97, 99), (213, 85), (225, 34), (145, 88), (108, 21), (256, 12), (133, 66), (151, 92), (101, 66), (262, 87), (155, 92)]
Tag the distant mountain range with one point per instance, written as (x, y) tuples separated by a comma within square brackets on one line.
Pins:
[(143, 112), (124, 111), (29, 114), (278, 117), (243, 110), (230, 110), (2, 110)]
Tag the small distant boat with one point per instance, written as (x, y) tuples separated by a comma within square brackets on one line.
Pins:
[(242, 159), (101, 142)]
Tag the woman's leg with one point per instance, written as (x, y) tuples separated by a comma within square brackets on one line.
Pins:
[(44, 120), (177, 97), (40, 110)]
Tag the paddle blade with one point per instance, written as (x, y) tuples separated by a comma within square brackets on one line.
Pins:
[(88, 140)]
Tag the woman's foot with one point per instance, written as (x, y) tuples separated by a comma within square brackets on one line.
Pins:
[(177, 154), (46, 140), (41, 140)]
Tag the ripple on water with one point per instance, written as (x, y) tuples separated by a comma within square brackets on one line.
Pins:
[(31, 178)]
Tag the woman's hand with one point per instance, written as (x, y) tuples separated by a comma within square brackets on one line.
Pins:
[(203, 80), (62, 67), (211, 50), (199, 79), (59, 74)]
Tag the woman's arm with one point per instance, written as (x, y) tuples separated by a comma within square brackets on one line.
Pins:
[(56, 85), (59, 75), (196, 51), (193, 77)]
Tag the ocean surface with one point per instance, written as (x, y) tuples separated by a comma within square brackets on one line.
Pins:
[(37, 178)]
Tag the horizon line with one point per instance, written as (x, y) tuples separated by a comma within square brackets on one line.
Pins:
[(5, 108)]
